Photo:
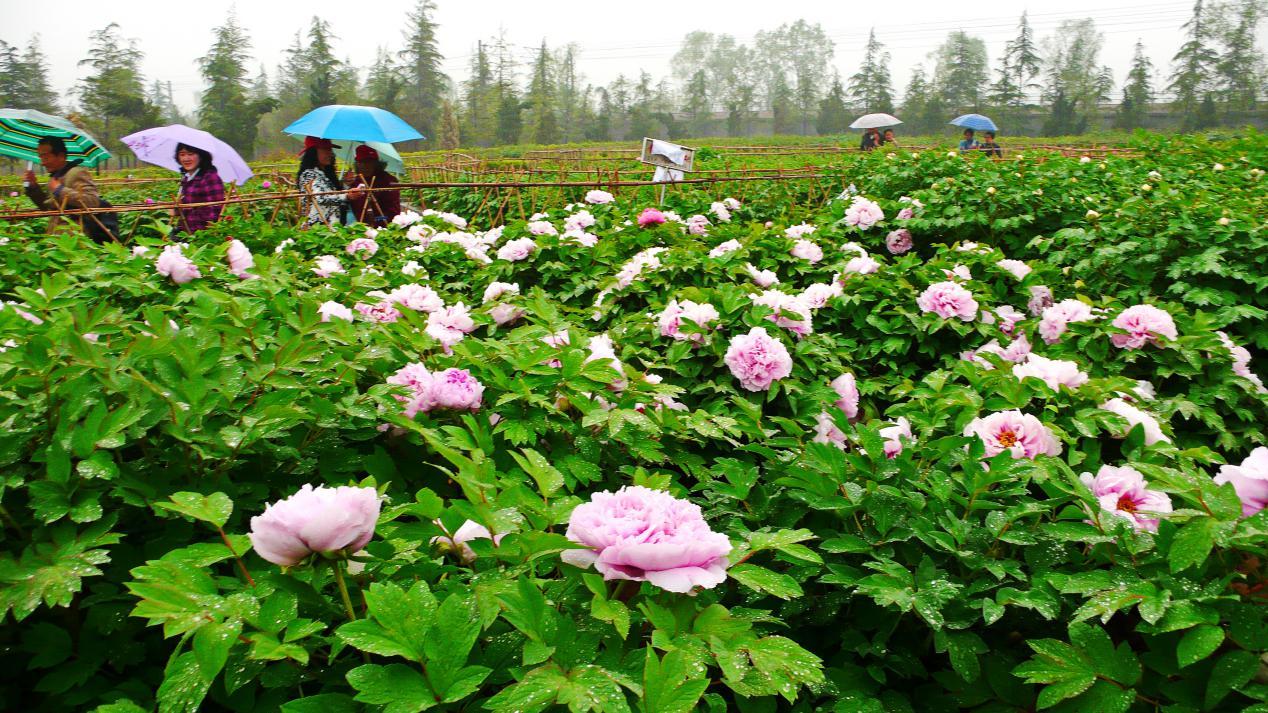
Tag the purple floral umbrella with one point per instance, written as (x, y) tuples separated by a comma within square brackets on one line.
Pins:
[(158, 146)]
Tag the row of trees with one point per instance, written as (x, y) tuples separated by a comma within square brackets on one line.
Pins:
[(784, 78)]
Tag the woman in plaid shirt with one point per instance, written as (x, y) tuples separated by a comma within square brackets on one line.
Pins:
[(320, 199), (200, 183)]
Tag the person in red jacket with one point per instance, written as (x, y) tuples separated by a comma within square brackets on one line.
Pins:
[(377, 207)]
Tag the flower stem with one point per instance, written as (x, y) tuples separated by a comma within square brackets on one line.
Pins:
[(343, 591)]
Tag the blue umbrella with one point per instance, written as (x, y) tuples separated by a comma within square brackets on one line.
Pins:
[(353, 123), (977, 122)]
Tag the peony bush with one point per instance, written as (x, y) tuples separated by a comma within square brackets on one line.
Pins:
[(819, 464)]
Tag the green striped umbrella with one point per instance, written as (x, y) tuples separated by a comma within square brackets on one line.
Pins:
[(22, 129)]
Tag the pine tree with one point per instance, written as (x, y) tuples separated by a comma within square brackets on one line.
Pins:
[(960, 75), (870, 89), (915, 99), (781, 107), (160, 95), (568, 93), (697, 103), (1138, 92), (1023, 57), (834, 116), (113, 94), (543, 125), (320, 65), (1073, 69), (600, 128), (425, 83), (509, 106), (449, 133), (479, 120), (24, 78), (1239, 70), (10, 75), (1194, 66), (1064, 119), (383, 84), (226, 108)]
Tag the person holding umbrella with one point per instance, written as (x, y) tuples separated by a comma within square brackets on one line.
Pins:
[(200, 183), (871, 139), (320, 200), (968, 143), (376, 207), (70, 186)]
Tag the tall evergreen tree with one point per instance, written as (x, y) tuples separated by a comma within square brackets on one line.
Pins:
[(24, 78), (1023, 57), (1193, 67), (450, 137), (479, 125), (509, 106), (870, 89), (960, 74), (1064, 120), (696, 105), (160, 95), (543, 125), (113, 94), (783, 120), (1138, 91), (1073, 69), (321, 67), (425, 83), (568, 94), (600, 128), (834, 116), (226, 107), (383, 83), (915, 98), (1240, 73)]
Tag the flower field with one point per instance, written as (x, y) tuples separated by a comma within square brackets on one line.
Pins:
[(935, 433)]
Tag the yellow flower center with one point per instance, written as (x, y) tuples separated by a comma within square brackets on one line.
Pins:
[(1007, 439)]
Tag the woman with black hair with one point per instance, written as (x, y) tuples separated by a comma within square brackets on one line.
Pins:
[(320, 200), (200, 183)]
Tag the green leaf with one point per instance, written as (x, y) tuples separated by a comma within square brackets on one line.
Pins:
[(398, 621), (764, 580), (321, 703), (51, 572), (665, 688), (526, 609), (214, 508), (591, 688), (786, 665), (1192, 544), (211, 646), (533, 694), (184, 687), (1233, 669), (119, 707), (398, 687), (1198, 643), (548, 478)]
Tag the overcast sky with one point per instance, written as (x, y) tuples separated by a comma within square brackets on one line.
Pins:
[(615, 37)]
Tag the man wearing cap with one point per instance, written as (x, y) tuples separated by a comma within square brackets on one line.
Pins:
[(375, 207), (320, 200)]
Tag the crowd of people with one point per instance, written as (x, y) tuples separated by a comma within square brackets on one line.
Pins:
[(363, 194)]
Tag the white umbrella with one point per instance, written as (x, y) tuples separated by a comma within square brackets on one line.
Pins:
[(875, 121)]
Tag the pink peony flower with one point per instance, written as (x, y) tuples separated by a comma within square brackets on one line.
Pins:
[(947, 300), (816, 296), (898, 241), (826, 431), (326, 521), (333, 310), (266, 184), (516, 250), (647, 535), (149, 201), (1053, 372), (762, 278), (848, 392), (1016, 268), (456, 389), (724, 248), (1241, 362), (721, 211), (597, 197), (602, 348), (1250, 480), (327, 265), (1134, 416), (799, 231), (698, 225), (449, 325), (895, 435), (1040, 299), (757, 359), (959, 272), (806, 250), (457, 543), (1008, 318), (542, 227), (1122, 492), (139, 250), (702, 315), (790, 311), (496, 290), (362, 245), (731, 203), (582, 238), (382, 312), (862, 265), (173, 263), (906, 214), (578, 221), (416, 297), (1143, 324), (1058, 316), (1021, 434), (650, 216), (1016, 352), (240, 260), (863, 213)]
